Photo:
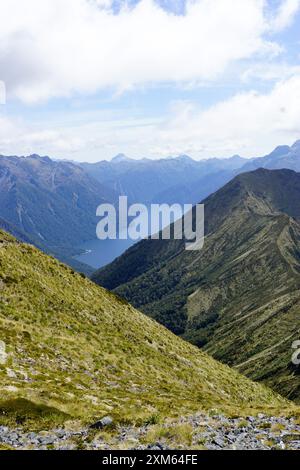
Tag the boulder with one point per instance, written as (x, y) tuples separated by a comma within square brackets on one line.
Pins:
[(102, 423)]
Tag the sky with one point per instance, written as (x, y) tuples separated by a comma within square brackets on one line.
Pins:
[(86, 80)]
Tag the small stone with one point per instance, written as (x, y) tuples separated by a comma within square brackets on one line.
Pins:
[(155, 447), (11, 374), (14, 437), (282, 445), (61, 434)]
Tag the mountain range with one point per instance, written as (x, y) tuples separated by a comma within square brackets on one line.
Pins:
[(181, 179), (209, 331), (238, 297), (52, 203), (175, 179)]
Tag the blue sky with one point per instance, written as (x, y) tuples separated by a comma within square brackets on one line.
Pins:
[(88, 79)]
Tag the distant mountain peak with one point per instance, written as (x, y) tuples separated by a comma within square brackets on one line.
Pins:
[(280, 151), (236, 158), (296, 146), (121, 157), (35, 156), (184, 157), (179, 158)]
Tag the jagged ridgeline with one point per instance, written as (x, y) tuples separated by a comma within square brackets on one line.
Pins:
[(238, 297), (74, 349)]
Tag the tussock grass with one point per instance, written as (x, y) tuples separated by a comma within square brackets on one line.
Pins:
[(79, 351), (181, 434), (26, 413)]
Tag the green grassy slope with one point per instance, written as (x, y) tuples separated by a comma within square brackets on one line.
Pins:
[(239, 297), (75, 347), (64, 255)]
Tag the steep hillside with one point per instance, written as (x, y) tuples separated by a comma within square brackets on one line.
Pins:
[(77, 350), (239, 297), (52, 203)]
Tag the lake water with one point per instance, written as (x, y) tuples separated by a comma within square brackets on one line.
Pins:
[(99, 253)]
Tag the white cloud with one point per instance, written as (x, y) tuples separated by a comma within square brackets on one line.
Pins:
[(276, 71), (250, 124), (27, 139), (285, 15), (2, 92), (54, 48), (100, 138)]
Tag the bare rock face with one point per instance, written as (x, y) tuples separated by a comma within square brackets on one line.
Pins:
[(3, 354)]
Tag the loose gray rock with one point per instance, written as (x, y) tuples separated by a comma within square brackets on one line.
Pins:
[(219, 442), (218, 433), (3, 354)]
